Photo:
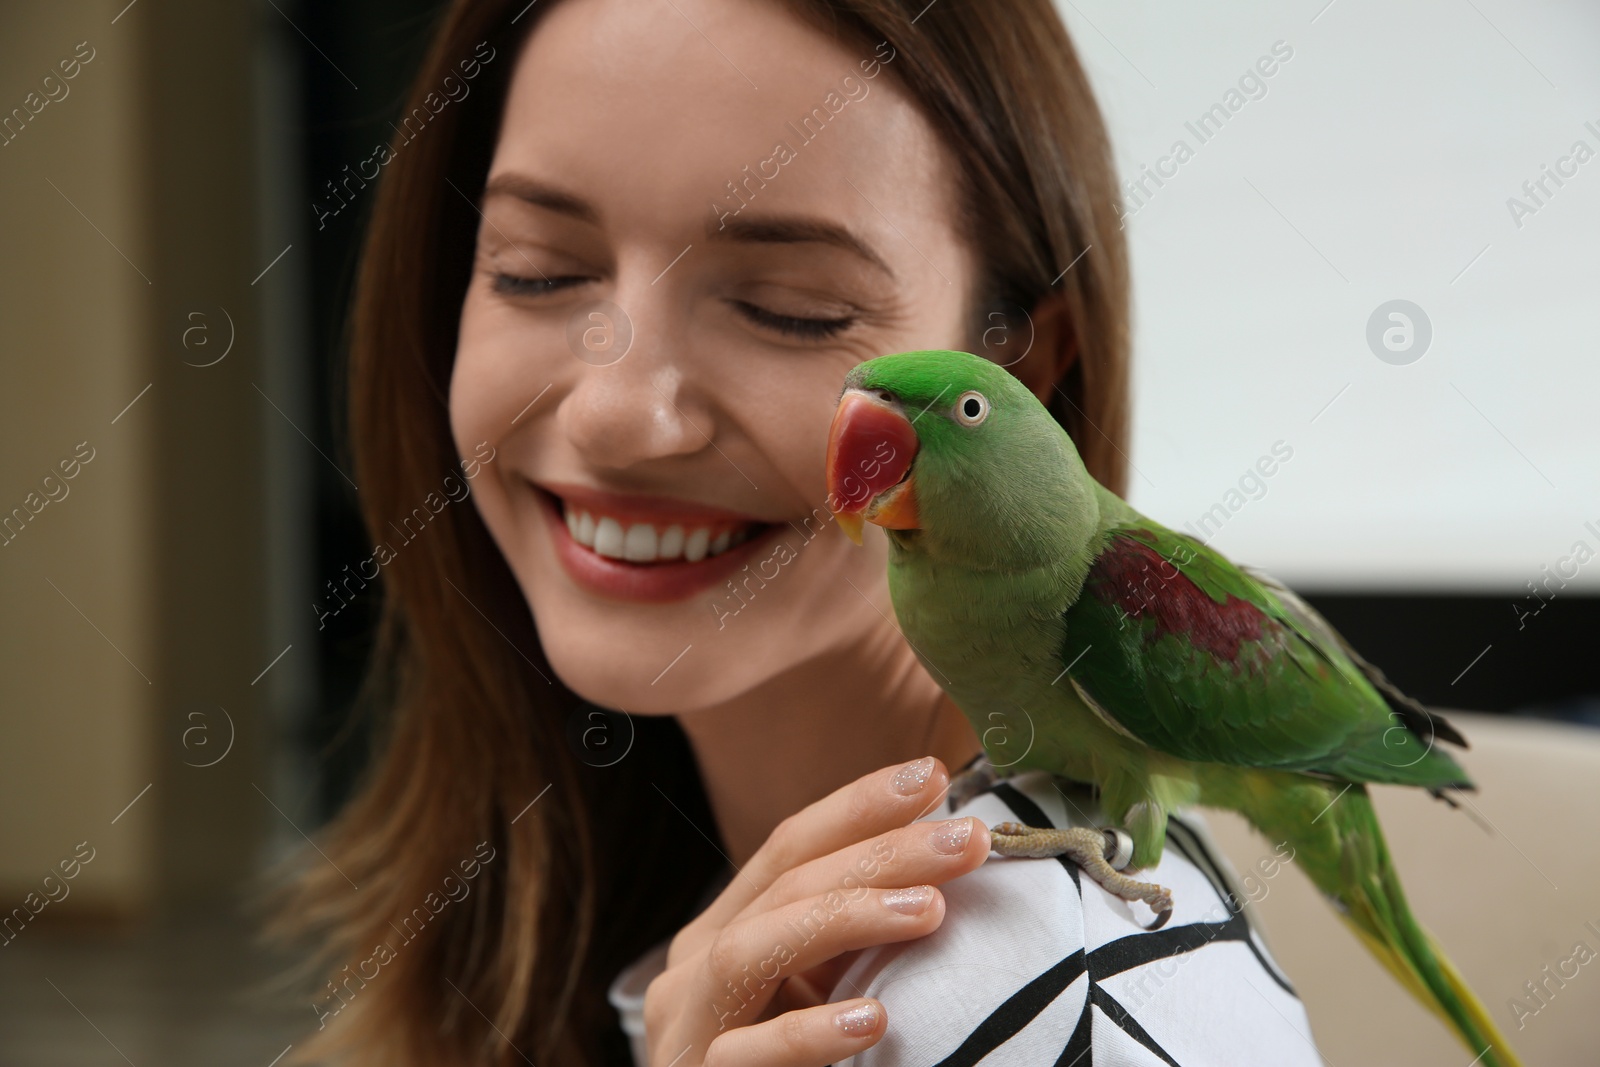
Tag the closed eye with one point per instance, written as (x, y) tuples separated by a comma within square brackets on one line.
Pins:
[(790, 325), (516, 285), (793, 325)]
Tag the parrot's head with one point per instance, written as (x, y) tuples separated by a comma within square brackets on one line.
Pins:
[(954, 457)]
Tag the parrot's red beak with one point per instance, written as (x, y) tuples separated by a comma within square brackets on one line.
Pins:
[(870, 448)]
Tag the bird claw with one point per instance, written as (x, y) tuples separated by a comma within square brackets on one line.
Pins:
[(1100, 854), (1162, 906)]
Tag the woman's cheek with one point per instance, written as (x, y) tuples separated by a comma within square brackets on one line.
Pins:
[(471, 400), (497, 371)]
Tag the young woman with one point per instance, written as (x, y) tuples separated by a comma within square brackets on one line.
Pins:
[(639, 693)]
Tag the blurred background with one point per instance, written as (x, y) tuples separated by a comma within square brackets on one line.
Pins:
[(1365, 269)]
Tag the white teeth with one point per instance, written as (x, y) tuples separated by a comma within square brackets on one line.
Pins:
[(639, 546), (642, 542), (608, 538), (671, 546), (694, 547)]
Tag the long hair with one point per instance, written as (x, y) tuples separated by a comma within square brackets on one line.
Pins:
[(505, 880)]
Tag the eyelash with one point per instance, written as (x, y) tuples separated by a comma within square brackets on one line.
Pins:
[(791, 325), (516, 285)]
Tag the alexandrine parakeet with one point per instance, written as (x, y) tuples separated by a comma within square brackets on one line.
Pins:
[(1145, 662)]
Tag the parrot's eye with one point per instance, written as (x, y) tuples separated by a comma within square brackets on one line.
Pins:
[(971, 408)]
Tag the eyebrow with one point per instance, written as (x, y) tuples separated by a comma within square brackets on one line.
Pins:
[(542, 195), (770, 229), (797, 229)]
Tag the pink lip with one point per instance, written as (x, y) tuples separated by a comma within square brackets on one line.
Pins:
[(639, 507), (648, 583)]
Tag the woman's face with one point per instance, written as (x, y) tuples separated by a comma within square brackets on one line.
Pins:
[(656, 358)]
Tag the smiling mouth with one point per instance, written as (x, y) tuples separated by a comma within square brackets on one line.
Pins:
[(631, 540)]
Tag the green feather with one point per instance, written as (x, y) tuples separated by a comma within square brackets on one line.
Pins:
[(1296, 701), (1204, 683)]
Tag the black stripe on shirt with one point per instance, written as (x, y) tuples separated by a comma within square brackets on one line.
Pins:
[(1078, 1045), (1018, 1010), (1098, 997), (1215, 874), (1194, 850), (1135, 950)]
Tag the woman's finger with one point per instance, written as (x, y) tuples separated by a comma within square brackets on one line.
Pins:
[(924, 852), (869, 806), (809, 1037), (749, 960)]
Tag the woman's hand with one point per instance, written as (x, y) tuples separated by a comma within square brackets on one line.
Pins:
[(746, 982)]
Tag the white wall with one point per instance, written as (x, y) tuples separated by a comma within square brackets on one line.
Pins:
[(1377, 166)]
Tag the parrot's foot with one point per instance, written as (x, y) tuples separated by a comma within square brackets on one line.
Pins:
[(972, 781), (1099, 853)]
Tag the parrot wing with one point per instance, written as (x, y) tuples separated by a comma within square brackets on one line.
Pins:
[(1176, 646)]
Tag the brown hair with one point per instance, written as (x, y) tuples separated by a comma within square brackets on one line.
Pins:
[(473, 727)]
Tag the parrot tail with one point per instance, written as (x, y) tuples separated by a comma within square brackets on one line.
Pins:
[(1366, 890)]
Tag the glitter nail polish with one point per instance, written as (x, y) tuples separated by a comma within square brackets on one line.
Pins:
[(859, 1021), (910, 901), (910, 779), (951, 837)]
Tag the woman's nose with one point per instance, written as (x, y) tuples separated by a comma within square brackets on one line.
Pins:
[(640, 407)]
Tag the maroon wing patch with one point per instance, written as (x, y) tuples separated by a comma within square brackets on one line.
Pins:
[(1133, 577)]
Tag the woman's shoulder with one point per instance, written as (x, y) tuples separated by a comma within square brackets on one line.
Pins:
[(1035, 963)]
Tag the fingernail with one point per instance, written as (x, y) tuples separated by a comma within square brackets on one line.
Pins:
[(912, 777), (859, 1021), (951, 837), (912, 901)]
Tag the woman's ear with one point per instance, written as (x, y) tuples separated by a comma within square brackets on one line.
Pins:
[(1053, 350)]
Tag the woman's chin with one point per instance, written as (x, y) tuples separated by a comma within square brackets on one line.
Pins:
[(648, 677), (789, 594)]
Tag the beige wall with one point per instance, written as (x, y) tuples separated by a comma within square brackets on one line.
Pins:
[(1505, 901), (157, 541)]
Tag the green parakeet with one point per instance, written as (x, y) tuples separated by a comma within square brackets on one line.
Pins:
[(1143, 661)]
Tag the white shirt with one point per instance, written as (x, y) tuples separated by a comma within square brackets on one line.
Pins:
[(1035, 964)]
